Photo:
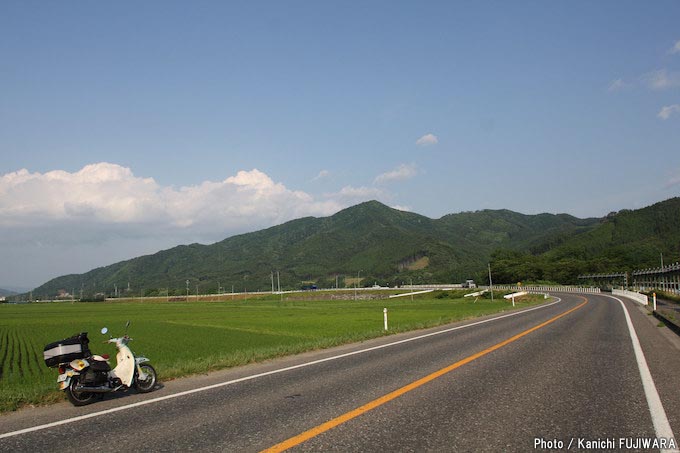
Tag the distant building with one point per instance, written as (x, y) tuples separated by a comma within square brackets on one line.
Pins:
[(63, 294), (469, 284)]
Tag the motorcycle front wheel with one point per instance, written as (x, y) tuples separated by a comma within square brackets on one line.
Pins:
[(149, 383), (78, 398)]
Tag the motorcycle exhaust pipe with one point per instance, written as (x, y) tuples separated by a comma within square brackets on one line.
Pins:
[(98, 389)]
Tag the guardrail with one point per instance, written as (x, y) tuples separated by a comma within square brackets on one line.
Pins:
[(544, 289), (637, 297)]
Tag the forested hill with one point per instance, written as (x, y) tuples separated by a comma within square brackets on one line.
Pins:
[(623, 241), (385, 245), (6, 292)]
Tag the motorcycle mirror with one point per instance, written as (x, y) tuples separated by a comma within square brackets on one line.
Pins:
[(104, 330)]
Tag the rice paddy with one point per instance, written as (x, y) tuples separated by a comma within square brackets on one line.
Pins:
[(183, 338)]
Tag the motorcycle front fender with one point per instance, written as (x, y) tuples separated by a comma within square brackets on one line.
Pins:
[(140, 372), (139, 360)]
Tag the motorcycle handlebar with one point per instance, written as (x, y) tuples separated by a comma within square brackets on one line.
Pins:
[(113, 340)]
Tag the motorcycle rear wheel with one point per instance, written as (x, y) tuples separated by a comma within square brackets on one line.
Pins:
[(149, 383), (79, 398)]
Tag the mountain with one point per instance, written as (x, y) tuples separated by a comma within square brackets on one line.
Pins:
[(378, 243), (622, 241), (6, 292), (385, 245)]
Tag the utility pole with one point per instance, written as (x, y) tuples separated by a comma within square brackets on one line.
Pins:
[(356, 285), (272, 276), (490, 282)]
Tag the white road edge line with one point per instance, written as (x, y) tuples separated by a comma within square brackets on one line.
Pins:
[(659, 419), (255, 376)]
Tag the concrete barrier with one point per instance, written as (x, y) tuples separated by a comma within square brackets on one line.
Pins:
[(637, 297)]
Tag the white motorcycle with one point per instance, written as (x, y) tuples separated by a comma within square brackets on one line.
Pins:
[(84, 376)]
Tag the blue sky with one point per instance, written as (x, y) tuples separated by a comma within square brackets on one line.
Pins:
[(127, 128)]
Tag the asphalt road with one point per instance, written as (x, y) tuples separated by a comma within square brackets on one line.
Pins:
[(502, 385)]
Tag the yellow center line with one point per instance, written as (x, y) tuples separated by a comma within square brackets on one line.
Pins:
[(305, 436)]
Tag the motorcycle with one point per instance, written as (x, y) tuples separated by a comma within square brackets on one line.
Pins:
[(85, 376)]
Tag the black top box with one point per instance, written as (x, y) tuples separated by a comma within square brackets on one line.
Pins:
[(63, 351)]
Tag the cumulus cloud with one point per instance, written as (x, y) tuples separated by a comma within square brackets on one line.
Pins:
[(617, 85), (667, 111), (402, 172), (110, 194), (104, 213), (427, 139), (661, 79), (102, 192)]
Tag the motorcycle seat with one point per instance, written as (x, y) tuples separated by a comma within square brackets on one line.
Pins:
[(100, 366)]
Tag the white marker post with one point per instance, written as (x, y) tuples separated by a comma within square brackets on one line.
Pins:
[(385, 317), (513, 295), (654, 301)]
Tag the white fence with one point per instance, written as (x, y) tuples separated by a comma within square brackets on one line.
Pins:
[(548, 289), (643, 299), (435, 286)]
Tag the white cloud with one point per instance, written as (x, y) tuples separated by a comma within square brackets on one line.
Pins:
[(617, 85), (427, 139), (103, 192), (675, 48), (322, 174), (402, 172), (402, 208), (673, 181), (62, 222), (109, 194), (661, 79), (667, 111), (358, 193)]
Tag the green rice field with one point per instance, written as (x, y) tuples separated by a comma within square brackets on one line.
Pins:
[(183, 338)]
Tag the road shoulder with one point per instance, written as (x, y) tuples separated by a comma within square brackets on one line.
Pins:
[(662, 351)]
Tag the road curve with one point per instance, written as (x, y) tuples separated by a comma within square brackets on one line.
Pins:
[(565, 373)]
